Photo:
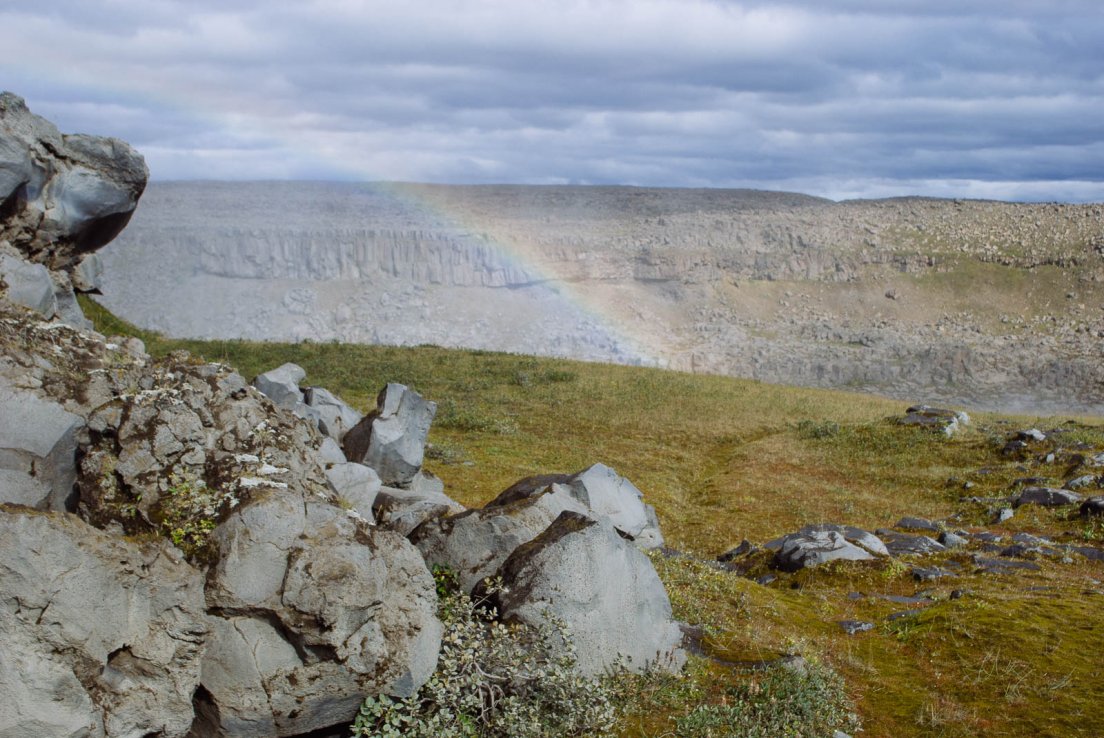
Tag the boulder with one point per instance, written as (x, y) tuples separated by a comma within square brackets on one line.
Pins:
[(356, 487), (580, 572), (297, 647), (281, 385), (911, 523), (391, 439), (603, 492), (62, 196), (476, 543), (102, 636), (1047, 497), (330, 452), (857, 536), (938, 419), (335, 417), (801, 550), (1092, 506), (950, 539), (38, 438), (26, 283), (905, 544), (404, 509)]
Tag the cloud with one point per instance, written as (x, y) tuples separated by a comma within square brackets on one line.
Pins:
[(834, 98)]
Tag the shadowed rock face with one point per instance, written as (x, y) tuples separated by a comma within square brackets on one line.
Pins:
[(62, 196), (985, 304)]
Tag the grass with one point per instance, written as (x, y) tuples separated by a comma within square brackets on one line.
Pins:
[(725, 459)]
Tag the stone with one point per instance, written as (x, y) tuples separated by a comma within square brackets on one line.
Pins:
[(1004, 514), (905, 544), (281, 385), (745, 548), (1003, 566), (27, 284), (1047, 497), (102, 636), (391, 439), (801, 550), (39, 439), (1085, 480), (603, 492), (330, 452), (1031, 435), (934, 418), (404, 509), (477, 542), (356, 487), (853, 627), (581, 572), (1092, 506), (335, 417), (931, 573), (298, 648), (87, 275), (950, 539), (20, 488), (63, 196), (857, 536)]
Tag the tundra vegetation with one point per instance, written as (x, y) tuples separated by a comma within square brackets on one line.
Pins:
[(722, 460)]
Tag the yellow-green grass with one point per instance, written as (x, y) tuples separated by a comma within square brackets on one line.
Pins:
[(724, 459)]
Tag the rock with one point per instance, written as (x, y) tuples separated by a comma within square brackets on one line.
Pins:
[(581, 572), (281, 385), (1004, 514), (391, 439), (38, 438), (928, 574), (335, 417), (27, 284), (330, 452), (476, 543), (952, 540), (939, 419), (853, 627), (1092, 506), (404, 509), (63, 195), (892, 617), (87, 275), (910, 523), (298, 648), (1031, 434), (904, 544), (801, 550), (1085, 480), (1047, 497), (356, 487), (857, 536), (602, 492), (744, 549), (102, 636), (1003, 566)]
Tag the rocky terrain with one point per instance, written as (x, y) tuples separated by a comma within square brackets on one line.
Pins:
[(986, 304), (188, 554)]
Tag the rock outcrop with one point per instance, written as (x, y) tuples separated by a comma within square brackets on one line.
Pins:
[(391, 439)]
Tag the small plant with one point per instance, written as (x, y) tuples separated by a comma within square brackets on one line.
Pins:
[(814, 430), (493, 681), (785, 702)]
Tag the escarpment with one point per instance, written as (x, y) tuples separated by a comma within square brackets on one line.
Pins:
[(990, 304)]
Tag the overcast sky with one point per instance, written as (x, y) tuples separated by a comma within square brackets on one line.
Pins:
[(840, 98)]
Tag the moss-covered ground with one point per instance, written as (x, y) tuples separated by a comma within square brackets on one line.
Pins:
[(1019, 654)]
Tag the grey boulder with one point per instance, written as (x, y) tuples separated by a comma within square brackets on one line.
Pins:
[(391, 439), (39, 439), (402, 509), (1047, 497), (356, 487), (27, 284), (476, 543), (63, 195), (817, 544), (102, 637), (906, 544), (281, 385), (318, 610), (580, 572), (335, 417), (1092, 506)]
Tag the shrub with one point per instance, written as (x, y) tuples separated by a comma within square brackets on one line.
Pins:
[(785, 703), (493, 681)]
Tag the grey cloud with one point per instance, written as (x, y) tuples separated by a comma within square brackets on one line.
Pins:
[(839, 98)]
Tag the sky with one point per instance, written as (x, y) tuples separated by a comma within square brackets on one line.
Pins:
[(997, 99)]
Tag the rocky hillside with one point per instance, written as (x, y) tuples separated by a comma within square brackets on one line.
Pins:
[(987, 304)]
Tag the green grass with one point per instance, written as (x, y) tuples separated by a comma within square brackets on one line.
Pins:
[(724, 459)]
